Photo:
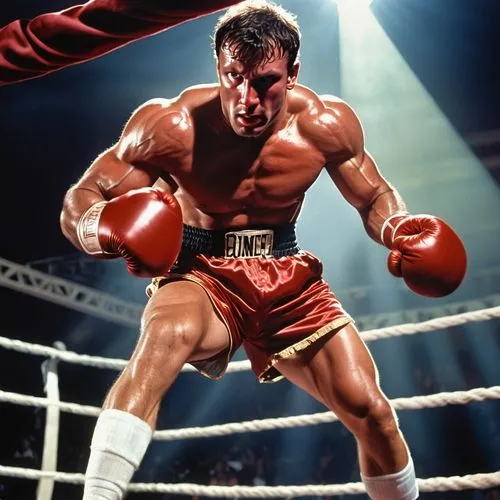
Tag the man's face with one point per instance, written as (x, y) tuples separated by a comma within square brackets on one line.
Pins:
[(252, 97)]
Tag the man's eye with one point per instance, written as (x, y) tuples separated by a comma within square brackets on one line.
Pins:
[(233, 75), (267, 81)]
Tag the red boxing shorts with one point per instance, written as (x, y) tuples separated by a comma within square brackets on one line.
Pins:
[(268, 292)]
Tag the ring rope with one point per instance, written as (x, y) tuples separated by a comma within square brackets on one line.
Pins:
[(475, 481), (455, 483), (412, 403), (432, 324), (239, 366)]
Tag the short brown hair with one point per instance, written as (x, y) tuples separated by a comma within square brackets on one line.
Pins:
[(255, 29)]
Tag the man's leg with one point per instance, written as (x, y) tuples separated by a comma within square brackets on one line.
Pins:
[(339, 372), (179, 324)]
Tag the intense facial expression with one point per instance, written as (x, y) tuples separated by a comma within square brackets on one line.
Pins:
[(253, 97)]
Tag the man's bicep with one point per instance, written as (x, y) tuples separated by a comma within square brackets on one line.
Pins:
[(110, 176), (358, 179), (147, 150), (159, 133), (107, 178), (349, 165)]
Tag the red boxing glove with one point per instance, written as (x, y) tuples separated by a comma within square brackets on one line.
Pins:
[(425, 252), (144, 226)]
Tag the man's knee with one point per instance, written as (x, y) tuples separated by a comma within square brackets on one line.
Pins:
[(378, 420), (165, 345)]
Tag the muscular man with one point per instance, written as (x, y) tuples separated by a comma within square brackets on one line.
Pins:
[(235, 159), (55, 40)]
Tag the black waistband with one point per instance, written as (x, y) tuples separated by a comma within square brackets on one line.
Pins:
[(212, 242)]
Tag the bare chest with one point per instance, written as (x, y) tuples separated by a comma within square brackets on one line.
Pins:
[(275, 175)]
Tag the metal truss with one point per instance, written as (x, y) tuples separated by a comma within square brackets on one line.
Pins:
[(68, 294), (419, 315), (103, 305)]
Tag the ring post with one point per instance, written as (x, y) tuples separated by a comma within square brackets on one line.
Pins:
[(51, 435)]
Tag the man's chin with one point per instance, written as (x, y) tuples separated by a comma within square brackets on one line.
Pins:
[(249, 131)]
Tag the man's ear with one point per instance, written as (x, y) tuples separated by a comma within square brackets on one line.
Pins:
[(292, 76)]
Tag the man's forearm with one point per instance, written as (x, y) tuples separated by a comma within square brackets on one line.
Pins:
[(385, 205), (76, 202)]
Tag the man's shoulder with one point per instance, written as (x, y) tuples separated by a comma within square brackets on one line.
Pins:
[(314, 107), (159, 114), (338, 109), (326, 120), (185, 103), (198, 95)]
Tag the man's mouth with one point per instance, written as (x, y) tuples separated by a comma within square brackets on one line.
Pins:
[(249, 120)]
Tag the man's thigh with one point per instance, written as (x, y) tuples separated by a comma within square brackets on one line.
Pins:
[(184, 309), (337, 370)]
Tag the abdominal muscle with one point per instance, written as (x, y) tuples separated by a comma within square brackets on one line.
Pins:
[(236, 217)]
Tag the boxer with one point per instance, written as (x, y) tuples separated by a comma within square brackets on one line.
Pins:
[(55, 40), (202, 192)]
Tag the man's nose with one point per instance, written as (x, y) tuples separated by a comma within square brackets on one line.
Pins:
[(249, 96)]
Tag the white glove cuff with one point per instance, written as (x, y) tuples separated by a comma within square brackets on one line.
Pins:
[(86, 229), (392, 228)]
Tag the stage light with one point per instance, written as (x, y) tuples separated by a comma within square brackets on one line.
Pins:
[(353, 4)]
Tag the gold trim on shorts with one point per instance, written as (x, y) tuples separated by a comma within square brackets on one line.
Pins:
[(156, 284), (293, 350)]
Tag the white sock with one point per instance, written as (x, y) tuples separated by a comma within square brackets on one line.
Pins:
[(119, 443), (401, 485)]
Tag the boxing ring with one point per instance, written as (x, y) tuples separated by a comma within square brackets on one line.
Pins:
[(48, 475)]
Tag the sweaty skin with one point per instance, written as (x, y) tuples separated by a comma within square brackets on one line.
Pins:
[(224, 174), (237, 153)]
